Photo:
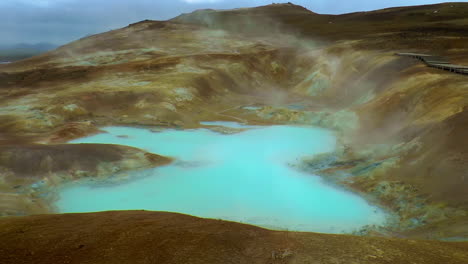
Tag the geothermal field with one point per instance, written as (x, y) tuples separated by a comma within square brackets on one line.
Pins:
[(256, 135)]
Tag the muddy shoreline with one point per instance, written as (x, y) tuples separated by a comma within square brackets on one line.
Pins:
[(346, 168), (43, 192)]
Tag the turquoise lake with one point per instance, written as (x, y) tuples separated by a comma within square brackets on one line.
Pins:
[(244, 177)]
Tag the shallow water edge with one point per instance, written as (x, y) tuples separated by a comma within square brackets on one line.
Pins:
[(279, 197)]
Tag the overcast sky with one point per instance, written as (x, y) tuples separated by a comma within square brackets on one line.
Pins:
[(62, 21)]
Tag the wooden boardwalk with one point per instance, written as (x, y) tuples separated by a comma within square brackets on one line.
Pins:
[(437, 62)]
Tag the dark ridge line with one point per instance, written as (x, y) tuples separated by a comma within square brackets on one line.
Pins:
[(437, 62)]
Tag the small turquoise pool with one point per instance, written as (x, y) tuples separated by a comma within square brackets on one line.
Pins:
[(244, 177)]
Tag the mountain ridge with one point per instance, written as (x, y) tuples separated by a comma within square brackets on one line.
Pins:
[(401, 126)]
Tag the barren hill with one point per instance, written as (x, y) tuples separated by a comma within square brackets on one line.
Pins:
[(160, 237), (401, 125)]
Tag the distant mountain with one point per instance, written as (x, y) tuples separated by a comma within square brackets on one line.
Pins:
[(42, 46), (19, 51)]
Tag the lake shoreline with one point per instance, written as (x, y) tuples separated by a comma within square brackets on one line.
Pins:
[(121, 136)]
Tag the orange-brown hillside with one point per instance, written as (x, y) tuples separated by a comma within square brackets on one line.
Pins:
[(401, 127), (159, 237)]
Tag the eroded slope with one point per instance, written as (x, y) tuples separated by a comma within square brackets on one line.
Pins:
[(400, 123)]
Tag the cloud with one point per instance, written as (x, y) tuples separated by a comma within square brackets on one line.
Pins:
[(61, 21), (201, 1), (37, 3)]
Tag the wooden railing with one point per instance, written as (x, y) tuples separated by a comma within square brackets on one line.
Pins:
[(437, 62)]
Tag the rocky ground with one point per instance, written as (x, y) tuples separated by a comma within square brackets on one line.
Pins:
[(158, 237), (401, 125)]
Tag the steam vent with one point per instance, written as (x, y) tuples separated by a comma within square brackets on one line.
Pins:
[(255, 135)]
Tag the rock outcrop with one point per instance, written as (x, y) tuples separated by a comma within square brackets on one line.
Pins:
[(31, 174)]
